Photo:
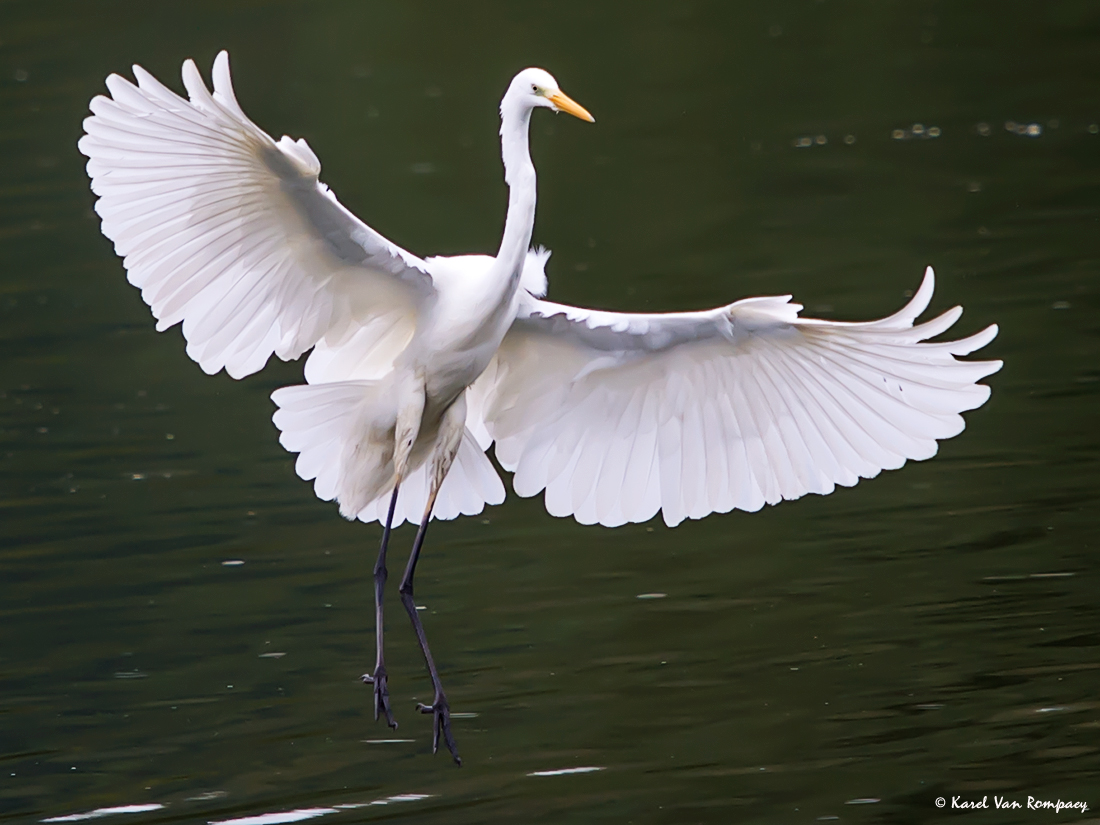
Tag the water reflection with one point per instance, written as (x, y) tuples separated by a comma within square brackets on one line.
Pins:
[(98, 813), (565, 771), (297, 815), (313, 813)]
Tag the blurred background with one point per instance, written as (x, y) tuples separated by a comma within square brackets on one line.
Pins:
[(183, 625)]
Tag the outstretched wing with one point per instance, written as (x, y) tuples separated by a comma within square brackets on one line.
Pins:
[(617, 416), (230, 232)]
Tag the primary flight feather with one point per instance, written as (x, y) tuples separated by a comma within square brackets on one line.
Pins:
[(418, 365)]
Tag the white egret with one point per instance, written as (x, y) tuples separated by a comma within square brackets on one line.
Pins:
[(418, 365)]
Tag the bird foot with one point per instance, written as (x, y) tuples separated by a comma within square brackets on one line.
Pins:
[(381, 694), (441, 724)]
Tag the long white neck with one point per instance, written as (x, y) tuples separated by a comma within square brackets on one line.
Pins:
[(519, 174)]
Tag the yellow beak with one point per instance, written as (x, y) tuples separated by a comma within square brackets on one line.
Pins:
[(564, 103)]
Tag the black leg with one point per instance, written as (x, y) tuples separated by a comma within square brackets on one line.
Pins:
[(440, 710), (381, 688)]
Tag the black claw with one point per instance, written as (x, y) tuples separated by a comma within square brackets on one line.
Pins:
[(441, 724), (381, 695)]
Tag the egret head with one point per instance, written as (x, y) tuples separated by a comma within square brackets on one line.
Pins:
[(533, 88)]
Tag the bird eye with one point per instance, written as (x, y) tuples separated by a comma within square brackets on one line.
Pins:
[(535, 88)]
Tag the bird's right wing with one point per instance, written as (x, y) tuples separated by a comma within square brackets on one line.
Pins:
[(230, 232), (620, 415)]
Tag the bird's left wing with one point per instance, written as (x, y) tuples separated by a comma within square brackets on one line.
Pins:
[(230, 232), (619, 415)]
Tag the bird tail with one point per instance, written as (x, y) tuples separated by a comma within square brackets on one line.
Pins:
[(343, 433)]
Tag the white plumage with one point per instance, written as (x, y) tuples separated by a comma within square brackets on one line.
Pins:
[(616, 416)]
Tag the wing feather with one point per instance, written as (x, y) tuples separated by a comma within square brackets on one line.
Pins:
[(230, 232), (643, 461), (617, 416), (612, 485)]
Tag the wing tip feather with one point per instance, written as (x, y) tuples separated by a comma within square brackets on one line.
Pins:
[(904, 317)]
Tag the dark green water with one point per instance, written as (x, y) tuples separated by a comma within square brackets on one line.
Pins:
[(933, 632)]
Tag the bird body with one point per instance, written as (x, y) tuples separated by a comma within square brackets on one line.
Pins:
[(419, 365), (419, 406)]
